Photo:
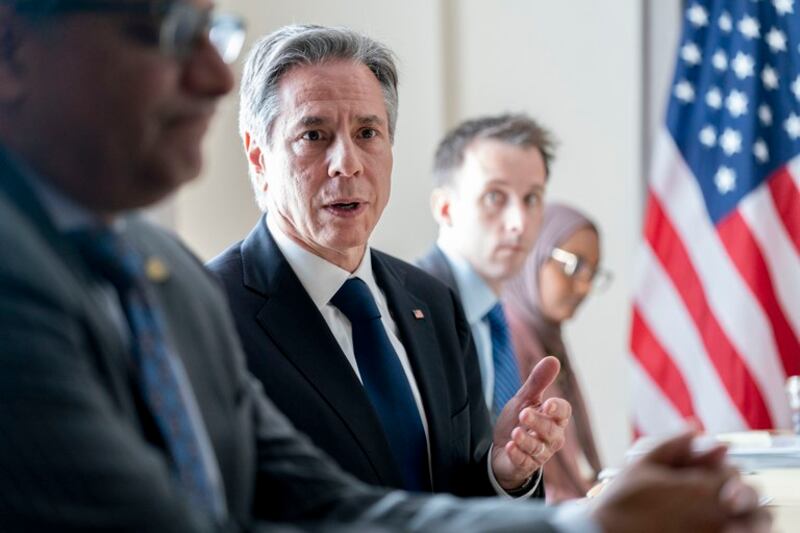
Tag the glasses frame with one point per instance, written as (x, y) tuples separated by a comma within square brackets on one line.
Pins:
[(571, 263), (206, 21)]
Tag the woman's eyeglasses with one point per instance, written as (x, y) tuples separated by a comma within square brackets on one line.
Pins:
[(576, 267)]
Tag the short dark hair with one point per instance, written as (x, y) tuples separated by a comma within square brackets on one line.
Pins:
[(516, 129)]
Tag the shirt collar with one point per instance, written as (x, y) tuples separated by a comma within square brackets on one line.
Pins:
[(476, 296), (320, 278)]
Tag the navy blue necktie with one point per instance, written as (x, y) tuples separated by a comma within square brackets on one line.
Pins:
[(386, 384), (506, 372), (161, 376)]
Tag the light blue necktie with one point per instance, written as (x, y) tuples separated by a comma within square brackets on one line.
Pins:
[(161, 376), (385, 383), (506, 373)]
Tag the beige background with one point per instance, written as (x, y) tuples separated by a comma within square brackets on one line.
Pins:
[(594, 72)]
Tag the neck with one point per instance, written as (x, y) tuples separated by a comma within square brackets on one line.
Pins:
[(347, 259)]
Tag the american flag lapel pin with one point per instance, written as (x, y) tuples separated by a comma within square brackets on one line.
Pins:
[(418, 314)]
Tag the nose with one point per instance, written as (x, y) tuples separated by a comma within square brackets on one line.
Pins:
[(514, 217), (344, 160), (205, 73)]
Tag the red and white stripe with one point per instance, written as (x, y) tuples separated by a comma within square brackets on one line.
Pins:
[(716, 308)]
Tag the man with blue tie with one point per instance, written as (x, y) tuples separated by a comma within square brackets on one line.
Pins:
[(490, 175), (366, 354)]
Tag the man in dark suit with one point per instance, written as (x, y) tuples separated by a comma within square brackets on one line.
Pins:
[(318, 111), (124, 400), (490, 175)]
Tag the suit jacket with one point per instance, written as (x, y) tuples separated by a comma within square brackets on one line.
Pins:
[(78, 452), (290, 348), (435, 263)]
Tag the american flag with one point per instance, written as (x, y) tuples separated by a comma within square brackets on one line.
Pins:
[(716, 313)]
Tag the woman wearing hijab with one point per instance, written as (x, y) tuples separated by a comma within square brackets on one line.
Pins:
[(555, 279)]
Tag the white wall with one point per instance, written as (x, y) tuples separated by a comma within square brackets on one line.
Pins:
[(582, 67)]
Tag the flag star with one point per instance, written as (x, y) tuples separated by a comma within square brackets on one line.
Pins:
[(796, 87), (792, 126), (730, 141), (769, 77), (749, 27), (725, 22), (691, 54), (776, 40), (719, 60), (708, 136), (765, 114), (742, 65), (760, 151), (736, 102), (783, 7), (697, 15), (684, 91), (725, 179), (714, 98)]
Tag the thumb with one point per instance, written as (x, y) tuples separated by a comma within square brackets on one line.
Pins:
[(542, 375)]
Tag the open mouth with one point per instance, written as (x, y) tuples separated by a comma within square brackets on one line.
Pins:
[(346, 206)]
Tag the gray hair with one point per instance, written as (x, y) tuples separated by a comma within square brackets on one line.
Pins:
[(291, 46), (515, 129)]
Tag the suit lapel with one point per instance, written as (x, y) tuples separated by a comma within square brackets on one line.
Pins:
[(294, 324), (413, 319)]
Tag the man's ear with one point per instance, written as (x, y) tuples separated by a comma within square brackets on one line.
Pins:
[(441, 205), (255, 158), (12, 86)]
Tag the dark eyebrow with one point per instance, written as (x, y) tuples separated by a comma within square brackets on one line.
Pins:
[(370, 120), (312, 121)]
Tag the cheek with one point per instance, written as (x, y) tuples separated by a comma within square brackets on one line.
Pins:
[(553, 293)]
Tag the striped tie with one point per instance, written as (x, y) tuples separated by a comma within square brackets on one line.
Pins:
[(506, 372), (161, 376)]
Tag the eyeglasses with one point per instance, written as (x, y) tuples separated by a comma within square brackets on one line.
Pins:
[(180, 24), (576, 267)]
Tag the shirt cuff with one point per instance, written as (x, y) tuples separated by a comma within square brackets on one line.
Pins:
[(573, 517), (514, 494)]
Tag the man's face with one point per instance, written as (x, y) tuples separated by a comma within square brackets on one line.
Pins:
[(108, 117), (492, 211), (328, 165)]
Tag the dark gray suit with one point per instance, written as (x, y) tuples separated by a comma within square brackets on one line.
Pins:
[(78, 450)]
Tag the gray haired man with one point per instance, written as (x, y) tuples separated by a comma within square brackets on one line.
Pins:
[(399, 405)]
